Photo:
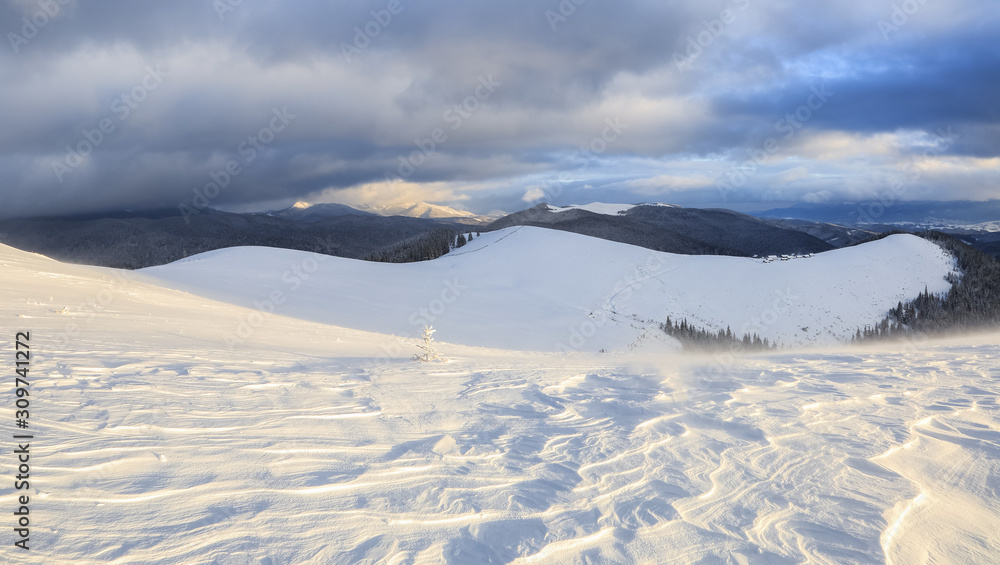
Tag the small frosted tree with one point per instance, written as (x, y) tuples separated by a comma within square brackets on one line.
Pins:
[(429, 353)]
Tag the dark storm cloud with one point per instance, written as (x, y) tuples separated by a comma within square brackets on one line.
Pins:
[(924, 86), (369, 87)]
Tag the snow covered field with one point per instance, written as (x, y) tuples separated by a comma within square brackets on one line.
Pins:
[(159, 439), (535, 289)]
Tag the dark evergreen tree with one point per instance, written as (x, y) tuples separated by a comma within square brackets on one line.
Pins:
[(424, 247), (697, 339), (972, 302)]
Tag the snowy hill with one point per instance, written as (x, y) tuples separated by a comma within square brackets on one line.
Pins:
[(158, 443), (536, 289)]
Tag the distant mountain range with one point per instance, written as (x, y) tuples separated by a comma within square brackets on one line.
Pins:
[(959, 214), (135, 240), (976, 223), (306, 212), (309, 212), (418, 210)]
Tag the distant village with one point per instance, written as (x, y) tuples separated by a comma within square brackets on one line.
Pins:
[(773, 258)]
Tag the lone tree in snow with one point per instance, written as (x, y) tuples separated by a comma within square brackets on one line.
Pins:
[(430, 354)]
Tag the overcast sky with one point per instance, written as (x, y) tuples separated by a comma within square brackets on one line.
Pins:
[(749, 104)]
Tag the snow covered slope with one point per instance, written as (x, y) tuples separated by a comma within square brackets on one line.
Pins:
[(158, 444), (535, 289)]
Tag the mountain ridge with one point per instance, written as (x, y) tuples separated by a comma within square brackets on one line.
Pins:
[(672, 229)]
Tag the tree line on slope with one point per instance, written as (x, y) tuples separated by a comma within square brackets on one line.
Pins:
[(423, 247), (135, 241), (972, 303), (699, 339)]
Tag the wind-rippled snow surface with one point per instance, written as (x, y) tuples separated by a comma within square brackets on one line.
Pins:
[(819, 458), (158, 441)]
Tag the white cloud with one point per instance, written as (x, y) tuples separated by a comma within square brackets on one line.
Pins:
[(533, 193)]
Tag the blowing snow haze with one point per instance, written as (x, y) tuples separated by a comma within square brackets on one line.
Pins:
[(121, 105)]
